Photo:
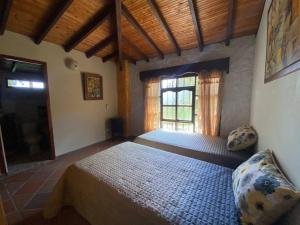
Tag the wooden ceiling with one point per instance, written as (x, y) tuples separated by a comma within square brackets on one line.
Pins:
[(132, 29)]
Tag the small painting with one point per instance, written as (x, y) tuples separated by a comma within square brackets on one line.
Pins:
[(92, 86), (283, 39)]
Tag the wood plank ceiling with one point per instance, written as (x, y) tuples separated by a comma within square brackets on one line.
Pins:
[(132, 29)]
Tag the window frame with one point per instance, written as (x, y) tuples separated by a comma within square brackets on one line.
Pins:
[(177, 90)]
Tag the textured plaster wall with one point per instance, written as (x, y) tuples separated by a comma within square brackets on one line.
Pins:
[(238, 83), (76, 123), (275, 110)]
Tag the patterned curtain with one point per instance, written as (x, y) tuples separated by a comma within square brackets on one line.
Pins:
[(210, 101), (152, 104)]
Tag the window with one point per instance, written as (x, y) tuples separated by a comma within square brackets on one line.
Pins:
[(178, 101), (25, 84)]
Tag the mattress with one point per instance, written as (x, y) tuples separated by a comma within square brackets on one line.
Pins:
[(132, 184), (207, 148)]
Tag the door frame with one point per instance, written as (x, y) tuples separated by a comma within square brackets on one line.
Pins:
[(45, 74), (3, 162)]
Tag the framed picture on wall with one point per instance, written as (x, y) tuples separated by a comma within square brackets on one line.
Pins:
[(283, 39), (92, 86)]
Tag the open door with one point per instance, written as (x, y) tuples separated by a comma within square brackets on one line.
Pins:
[(26, 133), (3, 163)]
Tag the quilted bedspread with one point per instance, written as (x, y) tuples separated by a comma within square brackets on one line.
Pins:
[(207, 148), (132, 184)]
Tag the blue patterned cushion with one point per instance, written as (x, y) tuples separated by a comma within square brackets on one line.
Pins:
[(262, 193)]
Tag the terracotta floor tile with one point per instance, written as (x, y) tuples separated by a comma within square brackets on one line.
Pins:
[(29, 187), (13, 187), (26, 213), (4, 194), (2, 186), (38, 176), (21, 177), (66, 164), (9, 206), (57, 174), (29, 190), (38, 201), (47, 168), (48, 186), (35, 169), (22, 200)]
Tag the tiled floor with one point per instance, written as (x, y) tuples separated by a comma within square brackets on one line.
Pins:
[(24, 194)]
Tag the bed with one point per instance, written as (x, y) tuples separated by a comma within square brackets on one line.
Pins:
[(207, 148), (133, 184)]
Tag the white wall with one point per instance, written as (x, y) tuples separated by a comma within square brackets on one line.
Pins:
[(76, 123), (275, 109), (238, 83)]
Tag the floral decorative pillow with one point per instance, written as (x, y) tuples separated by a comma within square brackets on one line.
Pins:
[(262, 193), (241, 138)]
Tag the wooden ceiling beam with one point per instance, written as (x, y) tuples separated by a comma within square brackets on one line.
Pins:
[(109, 56), (196, 22), (89, 28), (135, 48), (141, 31), (118, 12), (155, 9), (102, 44), (52, 20), (129, 58), (6, 6), (230, 23)]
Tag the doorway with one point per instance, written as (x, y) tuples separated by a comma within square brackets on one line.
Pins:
[(26, 129)]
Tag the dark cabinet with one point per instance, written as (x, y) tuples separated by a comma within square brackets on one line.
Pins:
[(117, 127)]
